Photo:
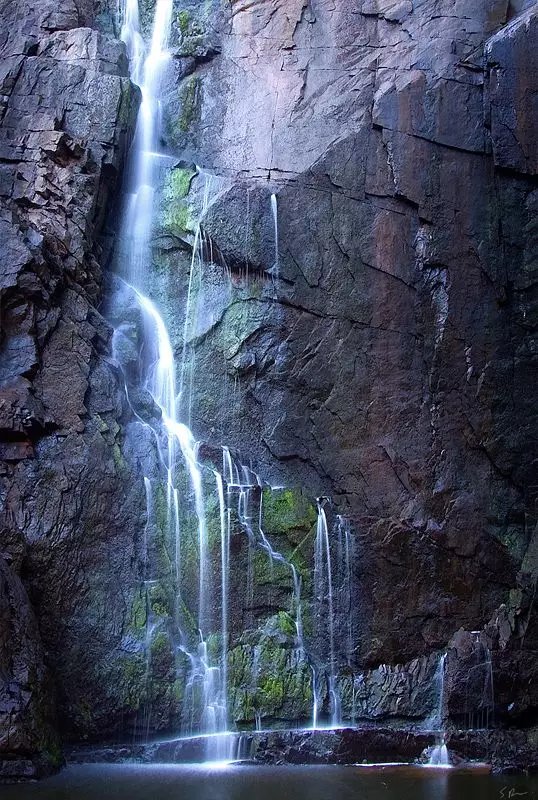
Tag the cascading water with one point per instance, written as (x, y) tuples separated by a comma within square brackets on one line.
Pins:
[(161, 375), (345, 607), (202, 637), (439, 683), (248, 485), (323, 587), (439, 756), (274, 212), (130, 34), (147, 67)]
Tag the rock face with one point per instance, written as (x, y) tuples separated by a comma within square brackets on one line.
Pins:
[(361, 328), (382, 354), (69, 503)]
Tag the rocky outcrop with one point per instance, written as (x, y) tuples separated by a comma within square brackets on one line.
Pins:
[(68, 502), (26, 713)]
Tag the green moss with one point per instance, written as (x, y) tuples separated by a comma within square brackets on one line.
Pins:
[(286, 624), (192, 34), (213, 523), (188, 622), (214, 646), (119, 460), (132, 681), (266, 677), (286, 510), (176, 213), (177, 690), (183, 19), (269, 572), (160, 645), (138, 616), (271, 692), (307, 620), (178, 183), (163, 560), (160, 601), (190, 103)]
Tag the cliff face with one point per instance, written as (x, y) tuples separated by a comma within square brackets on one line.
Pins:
[(382, 354), (68, 510), (391, 364)]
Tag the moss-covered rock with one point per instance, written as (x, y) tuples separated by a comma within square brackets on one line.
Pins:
[(176, 215), (288, 511), (138, 617), (190, 99), (269, 678)]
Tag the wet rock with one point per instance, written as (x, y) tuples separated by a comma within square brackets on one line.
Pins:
[(26, 702), (390, 366), (369, 744)]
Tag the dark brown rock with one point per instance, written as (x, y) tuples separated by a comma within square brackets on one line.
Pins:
[(67, 114)]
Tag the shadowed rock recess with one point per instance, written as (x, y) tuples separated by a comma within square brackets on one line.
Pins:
[(358, 180)]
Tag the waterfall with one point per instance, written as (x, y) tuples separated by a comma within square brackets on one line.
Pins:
[(225, 570), (134, 257), (274, 211), (325, 605), (250, 483), (439, 755), (345, 607), (201, 638), (147, 66), (439, 678), (130, 34)]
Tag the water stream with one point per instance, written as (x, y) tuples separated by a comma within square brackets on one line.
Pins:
[(207, 680), (440, 756), (205, 701), (274, 212), (324, 598)]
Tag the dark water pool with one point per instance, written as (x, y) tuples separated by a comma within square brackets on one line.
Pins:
[(158, 782)]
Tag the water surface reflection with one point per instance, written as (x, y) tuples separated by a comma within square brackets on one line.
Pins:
[(241, 782)]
